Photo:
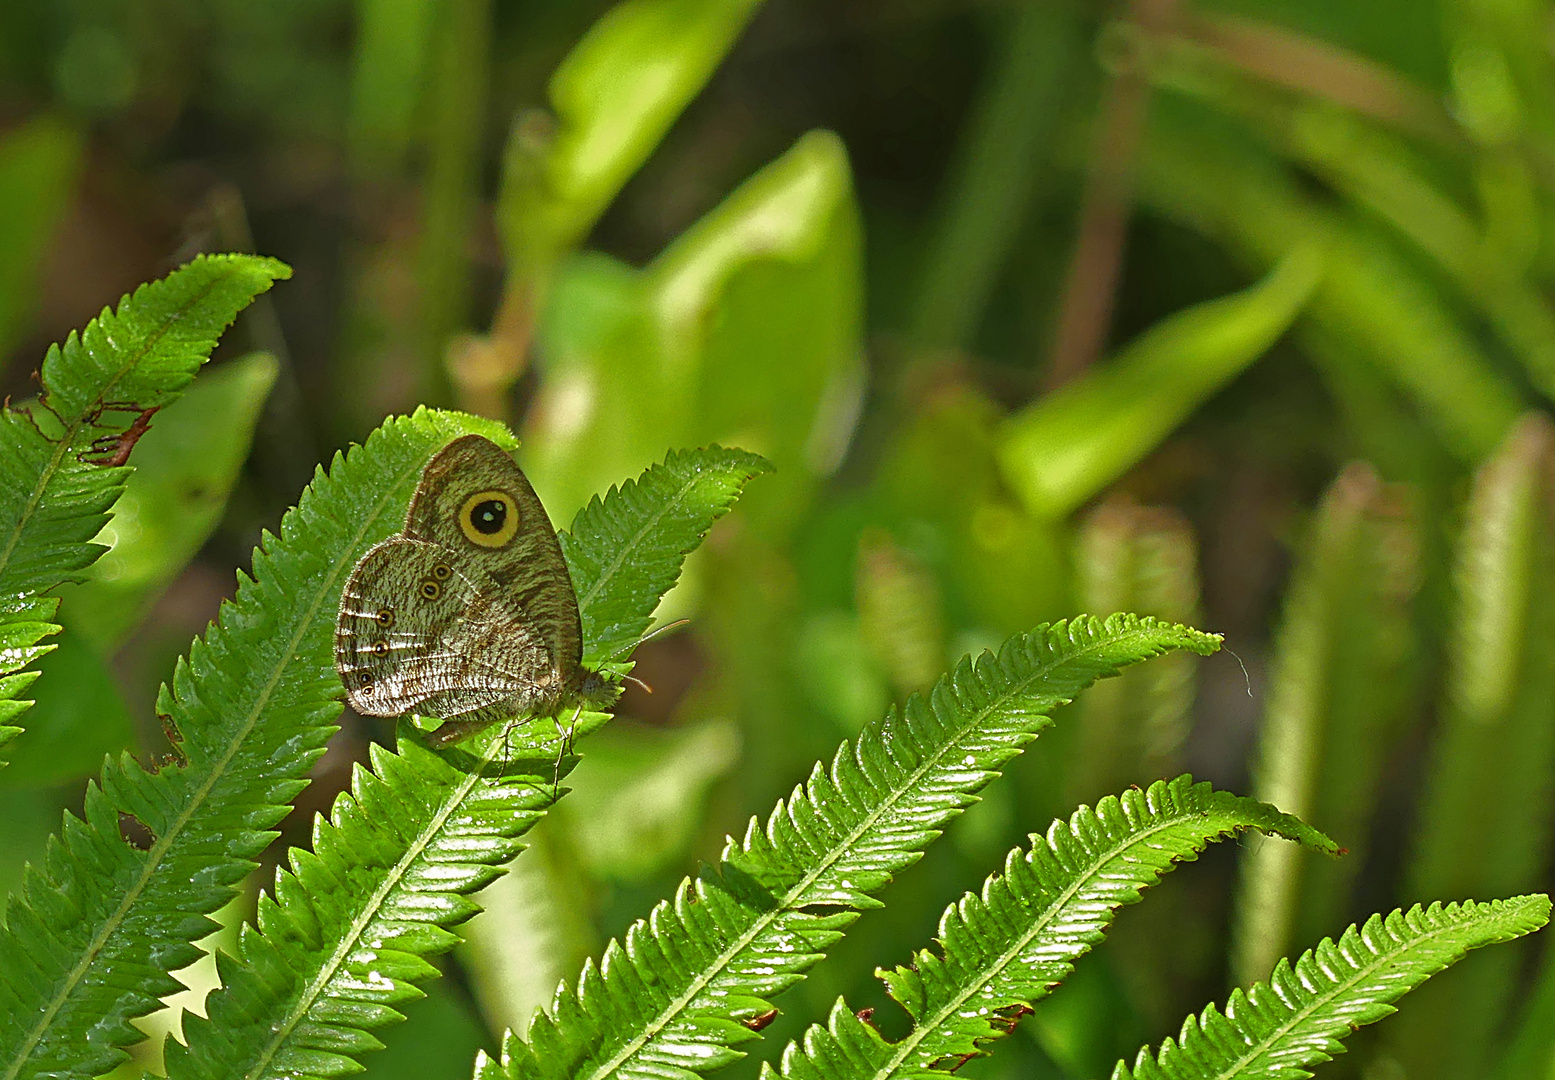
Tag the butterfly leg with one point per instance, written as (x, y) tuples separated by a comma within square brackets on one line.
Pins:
[(562, 752)]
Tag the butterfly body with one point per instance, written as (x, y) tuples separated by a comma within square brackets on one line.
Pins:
[(469, 613)]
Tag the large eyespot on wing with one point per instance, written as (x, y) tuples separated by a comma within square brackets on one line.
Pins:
[(489, 518), (473, 499)]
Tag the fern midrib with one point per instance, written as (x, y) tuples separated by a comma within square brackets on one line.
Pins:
[(348, 941), (62, 447), (1387, 956), (159, 848), (1099, 863), (701, 981)]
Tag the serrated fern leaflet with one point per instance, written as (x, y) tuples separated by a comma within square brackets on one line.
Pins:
[(62, 459), (674, 1001), (347, 935), (623, 550), (90, 938), (1278, 1030), (1004, 949)]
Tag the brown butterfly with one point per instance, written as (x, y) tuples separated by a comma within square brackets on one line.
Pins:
[(468, 614)]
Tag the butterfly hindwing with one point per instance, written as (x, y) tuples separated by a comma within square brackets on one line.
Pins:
[(422, 628)]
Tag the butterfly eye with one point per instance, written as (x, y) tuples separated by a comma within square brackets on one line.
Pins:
[(431, 590), (442, 572), (366, 688), (385, 617), (489, 519), (381, 648)]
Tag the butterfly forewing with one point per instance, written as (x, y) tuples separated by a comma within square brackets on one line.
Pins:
[(524, 558)]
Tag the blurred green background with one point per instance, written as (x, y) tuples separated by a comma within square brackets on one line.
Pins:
[(1232, 312)]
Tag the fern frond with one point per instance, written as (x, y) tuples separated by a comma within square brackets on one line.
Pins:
[(61, 464), (352, 923), (1006, 948), (90, 937), (23, 626), (677, 998), (625, 551), (1278, 1030), (52, 499)]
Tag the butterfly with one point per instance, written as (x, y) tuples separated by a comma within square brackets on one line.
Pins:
[(469, 613)]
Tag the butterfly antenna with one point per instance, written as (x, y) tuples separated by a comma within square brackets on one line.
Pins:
[(634, 680), (649, 636)]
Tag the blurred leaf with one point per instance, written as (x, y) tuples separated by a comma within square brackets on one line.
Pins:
[(460, 71), (1382, 173), (1485, 822), (438, 1040), (1087, 1022), (79, 718), (614, 96), (940, 489), (389, 64), (1065, 449), (901, 614), (747, 330), (1531, 1049), (38, 167), (838, 671), (1007, 146), (638, 795), (188, 461), (30, 818), (1338, 693), (1207, 175), (1131, 729)]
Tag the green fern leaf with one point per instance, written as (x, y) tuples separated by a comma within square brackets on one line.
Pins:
[(346, 937), (653, 521), (1279, 1029), (1006, 948), (60, 459), (676, 1000), (89, 939), (24, 624)]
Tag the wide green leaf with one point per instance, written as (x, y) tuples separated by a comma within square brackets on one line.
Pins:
[(615, 96), (748, 328), (1060, 452)]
